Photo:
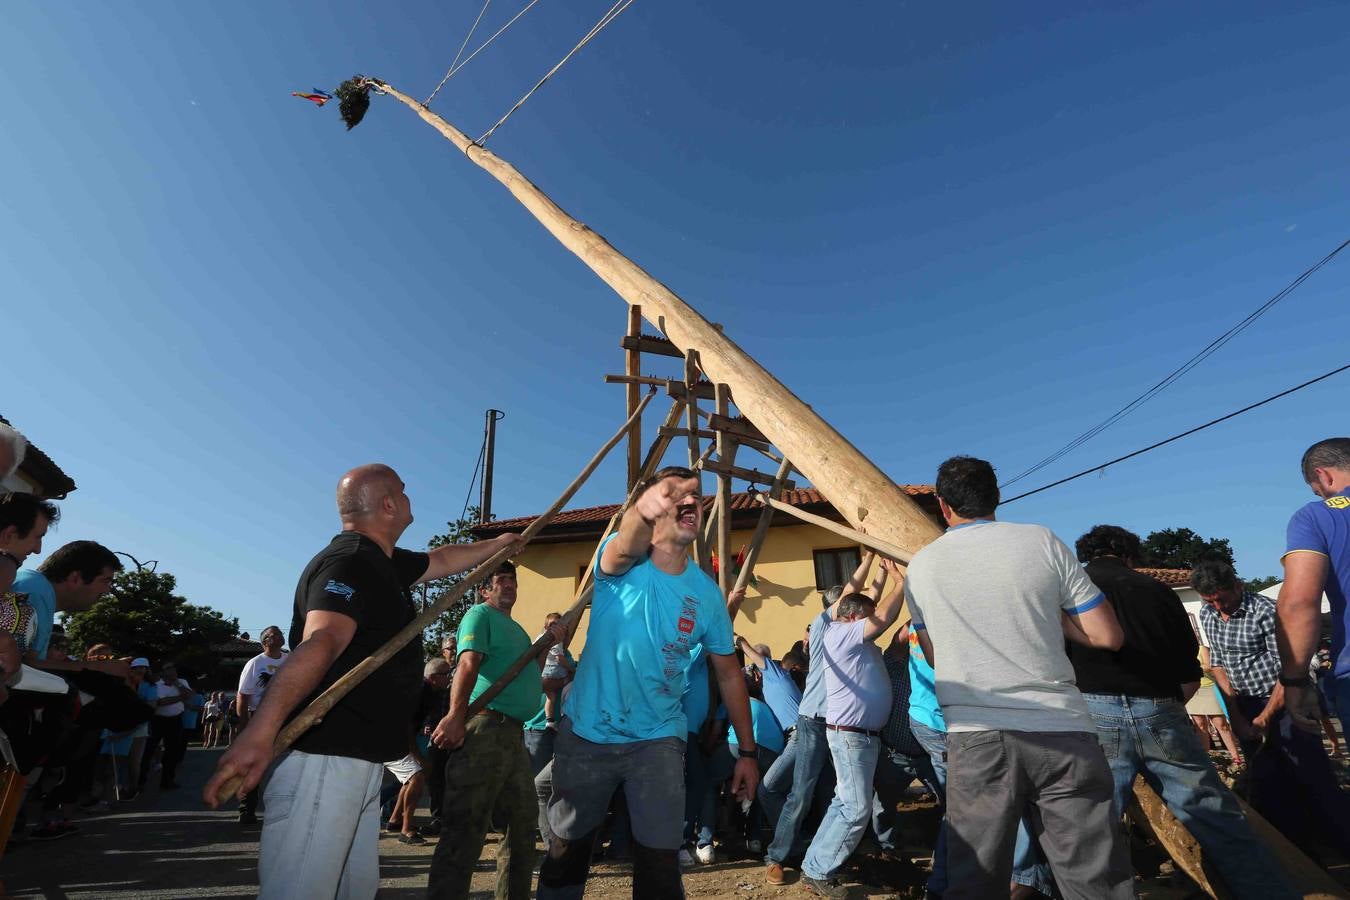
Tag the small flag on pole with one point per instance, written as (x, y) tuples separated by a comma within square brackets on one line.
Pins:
[(317, 97)]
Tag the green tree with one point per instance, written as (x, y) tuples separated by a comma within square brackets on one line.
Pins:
[(457, 532), (1181, 548), (142, 616), (1257, 585)]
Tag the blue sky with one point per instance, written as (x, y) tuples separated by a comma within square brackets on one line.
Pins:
[(974, 229)]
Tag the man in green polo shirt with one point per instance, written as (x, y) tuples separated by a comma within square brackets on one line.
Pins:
[(488, 768)]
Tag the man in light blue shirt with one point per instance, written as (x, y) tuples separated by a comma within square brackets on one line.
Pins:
[(71, 579), (623, 723), (791, 781), (857, 704)]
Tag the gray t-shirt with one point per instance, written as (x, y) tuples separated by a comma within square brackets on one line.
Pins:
[(857, 688), (813, 698), (990, 595)]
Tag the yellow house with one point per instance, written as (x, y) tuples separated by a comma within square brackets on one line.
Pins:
[(796, 563)]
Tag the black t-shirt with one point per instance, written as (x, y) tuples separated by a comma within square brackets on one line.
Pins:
[(1159, 654), (353, 576)]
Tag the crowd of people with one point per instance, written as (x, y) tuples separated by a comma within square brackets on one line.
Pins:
[(1032, 684)]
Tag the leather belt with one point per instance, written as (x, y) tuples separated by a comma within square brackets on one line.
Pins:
[(853, 729), (501, 717)]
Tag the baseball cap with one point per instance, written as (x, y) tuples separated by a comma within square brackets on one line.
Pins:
[(140, 661)]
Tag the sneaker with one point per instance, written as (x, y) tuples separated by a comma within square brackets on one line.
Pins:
[(773, 873), (413, 838), (823, 888), (686, 859), (705, 854)]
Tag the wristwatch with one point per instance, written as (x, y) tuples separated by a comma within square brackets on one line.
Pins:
[(751, 753), (1298, 681)]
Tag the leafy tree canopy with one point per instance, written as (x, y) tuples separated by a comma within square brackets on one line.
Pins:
[(1256, 585), (1181, 548), (457, 532), (142, 616)]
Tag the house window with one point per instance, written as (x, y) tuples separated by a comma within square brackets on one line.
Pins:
[(835, 566)]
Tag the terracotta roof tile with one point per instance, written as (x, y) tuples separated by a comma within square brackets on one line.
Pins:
[(39, 466), (1173, 578)]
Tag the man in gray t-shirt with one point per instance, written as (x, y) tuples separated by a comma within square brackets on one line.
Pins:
[(857, 702), (992, 603)]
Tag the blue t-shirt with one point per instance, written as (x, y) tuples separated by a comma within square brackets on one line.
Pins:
[(192, 709), (644, 626), (781, 694), (1323, 526), (813, 698), (42, 597), (767, 732), (923, 701), (697, 694)]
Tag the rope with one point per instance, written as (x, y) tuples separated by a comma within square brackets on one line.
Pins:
[(1194, 361), (613, 13), (468, 59), (460, 52), (1177, 437)]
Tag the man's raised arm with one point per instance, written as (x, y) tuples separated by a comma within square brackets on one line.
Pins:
[(451, 559), (886, 612), (634, 539)]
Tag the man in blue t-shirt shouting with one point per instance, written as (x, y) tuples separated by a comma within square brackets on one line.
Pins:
[(1317, 560), (623, 724)]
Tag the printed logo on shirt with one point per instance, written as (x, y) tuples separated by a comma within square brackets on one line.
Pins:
[(675, 654), (1338, 502), (338, 589)]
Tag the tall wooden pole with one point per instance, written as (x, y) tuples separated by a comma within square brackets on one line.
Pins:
[(633, 369), (856, 487), (726, 455)]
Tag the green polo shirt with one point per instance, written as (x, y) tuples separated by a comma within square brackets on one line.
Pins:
[(501, 640)]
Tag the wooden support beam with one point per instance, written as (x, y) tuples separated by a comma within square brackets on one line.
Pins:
[(632, 367), (740, 428), (726, 459), (885, 548), (647, 344), (703, 433), (642, 379), (762, 527), (703, 390), (754, 476), (696, 459)]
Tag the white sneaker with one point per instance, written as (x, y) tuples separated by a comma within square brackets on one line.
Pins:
[(686, 859), (705, 854)]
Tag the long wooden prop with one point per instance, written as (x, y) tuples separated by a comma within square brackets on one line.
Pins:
[(885, 548), (856, 487), (319, 707), (585, 590), (850, 481), (761, 528)]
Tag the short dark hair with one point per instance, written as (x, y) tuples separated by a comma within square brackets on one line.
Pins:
[(20, 510), (1109, 540), (682, 472), (855, 605), (830, 595), (89, 558), (506, 568), (1213, 575), (1332, 453), (795, 658), (969, 486)]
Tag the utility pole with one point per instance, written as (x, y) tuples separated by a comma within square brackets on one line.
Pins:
[(489, 450)]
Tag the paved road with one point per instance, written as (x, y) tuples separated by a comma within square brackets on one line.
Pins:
[(169, 845)]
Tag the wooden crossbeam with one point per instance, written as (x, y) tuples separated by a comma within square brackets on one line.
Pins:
[(644, 343), (741, 428), (754, 476), (885, 548)]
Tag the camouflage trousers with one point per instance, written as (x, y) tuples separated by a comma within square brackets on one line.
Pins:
[(489, 773)]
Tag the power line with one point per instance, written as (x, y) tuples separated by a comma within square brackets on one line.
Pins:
[(1177, 373), (1177, 437)]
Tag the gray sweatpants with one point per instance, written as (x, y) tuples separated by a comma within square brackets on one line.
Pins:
[(1063, 781)]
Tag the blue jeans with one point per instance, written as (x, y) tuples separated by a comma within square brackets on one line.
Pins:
[(322, 832), (1029, 866), (855, 763), (1155, 738), (539, 744), (700, 791), (896, 772), (804, 757)]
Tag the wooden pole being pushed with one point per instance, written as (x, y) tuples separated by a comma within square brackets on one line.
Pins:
[(761, 528), (856, 487), (586, 589), (885, 548), (319, 707), (726, 455)]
